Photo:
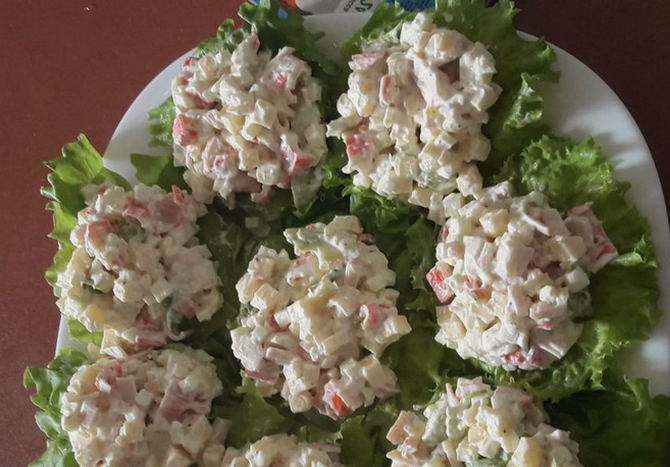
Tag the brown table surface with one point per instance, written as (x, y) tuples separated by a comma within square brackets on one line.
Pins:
[(75, 66)]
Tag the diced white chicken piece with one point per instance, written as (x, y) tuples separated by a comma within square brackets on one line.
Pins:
[(512, 258), (558, 340), (576, 279), (566, 249)]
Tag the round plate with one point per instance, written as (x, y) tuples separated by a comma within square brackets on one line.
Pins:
[(581, 105)]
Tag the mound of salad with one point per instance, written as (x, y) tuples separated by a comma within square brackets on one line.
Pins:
[(385, 259), (137, 269), (146, 409), (513, 274), (471, 423), (321, 321), (411, 118), (246, 122)]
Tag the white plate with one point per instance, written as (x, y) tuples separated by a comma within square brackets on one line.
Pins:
[(580, 105)]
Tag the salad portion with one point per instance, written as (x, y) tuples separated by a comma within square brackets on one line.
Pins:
[(412, 117), (137, 269), (147, 409), (246, 122), (274, 450), (320, 322), (473, 425), (513, 275)]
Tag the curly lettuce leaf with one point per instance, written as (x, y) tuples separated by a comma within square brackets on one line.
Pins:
[(620, 426), (385, 18), (79, 333), (364, 437), (80, 165), (228, 36), (158, 170), (161, 126), (624, 293), (50, 383), (253, 418)]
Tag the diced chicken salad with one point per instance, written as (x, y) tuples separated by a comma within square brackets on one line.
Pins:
[(474, 425), (320, 321), (513, 274), (246, 122), (149, 409), (137, 268), (276, 450), (411, 119)]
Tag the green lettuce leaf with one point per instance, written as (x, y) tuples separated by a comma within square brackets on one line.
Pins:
[(624, 293), (158, 170), (364, 437), (385, 18), (232, 249), (80, 165), (161, 126), (228, 36), (253, 418), (50, 383), (79, 333), (620, 426)]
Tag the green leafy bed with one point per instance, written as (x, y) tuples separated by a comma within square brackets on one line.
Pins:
[(613, 418)]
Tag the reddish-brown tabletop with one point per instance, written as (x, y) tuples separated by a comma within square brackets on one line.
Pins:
[(74, 67)]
